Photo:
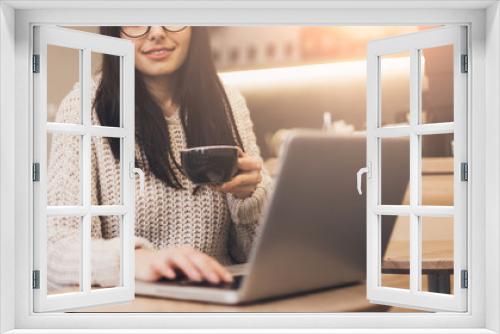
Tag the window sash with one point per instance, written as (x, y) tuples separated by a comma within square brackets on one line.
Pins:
[(86, 43), (413, 297)]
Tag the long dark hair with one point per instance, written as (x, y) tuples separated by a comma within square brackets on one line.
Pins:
[(205, 112)]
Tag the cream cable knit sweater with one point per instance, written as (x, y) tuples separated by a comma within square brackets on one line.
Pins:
[(215, 223)]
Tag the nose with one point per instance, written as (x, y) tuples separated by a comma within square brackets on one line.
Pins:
[(156, 32)]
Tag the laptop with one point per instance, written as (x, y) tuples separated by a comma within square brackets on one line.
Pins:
[(313, 232)]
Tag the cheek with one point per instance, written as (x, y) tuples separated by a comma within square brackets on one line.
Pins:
[(185, 45), (137, 51), (183, 55), (140, 60)]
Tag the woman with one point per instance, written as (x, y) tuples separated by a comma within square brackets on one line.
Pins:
[(180, 102)]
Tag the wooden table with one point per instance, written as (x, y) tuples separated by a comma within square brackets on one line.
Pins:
[(437, 255), (343, 299)]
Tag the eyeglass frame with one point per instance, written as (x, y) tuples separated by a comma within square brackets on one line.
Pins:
[(149, 29)]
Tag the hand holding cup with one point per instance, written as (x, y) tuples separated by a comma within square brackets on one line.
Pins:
[(244, 183)]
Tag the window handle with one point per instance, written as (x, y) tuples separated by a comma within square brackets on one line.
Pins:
[(133, 170), (365, 170)]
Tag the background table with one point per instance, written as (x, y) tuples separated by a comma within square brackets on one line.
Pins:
[(437, 255)]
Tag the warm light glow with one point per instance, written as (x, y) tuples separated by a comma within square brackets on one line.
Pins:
[(299, 75)]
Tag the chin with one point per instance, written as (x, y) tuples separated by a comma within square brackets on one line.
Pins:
[(158, 69), (158, 73)]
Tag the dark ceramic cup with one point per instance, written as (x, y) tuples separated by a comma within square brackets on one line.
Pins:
[(210, 164)]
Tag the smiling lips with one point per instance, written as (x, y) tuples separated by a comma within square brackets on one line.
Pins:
[(158, 53)]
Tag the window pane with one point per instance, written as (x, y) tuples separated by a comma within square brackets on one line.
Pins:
[(63, 72), (64, 254), (106, 251), (106, 171), (395, 171), (437, 170), (437, 84), (110, 114), (395, 244), (394, 89), (437, 254), (64, 169)]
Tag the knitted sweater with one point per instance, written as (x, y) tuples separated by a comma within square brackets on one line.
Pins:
[(215, 223)]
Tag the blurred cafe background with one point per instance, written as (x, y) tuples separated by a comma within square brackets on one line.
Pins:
[(291, 75), (314, 77)]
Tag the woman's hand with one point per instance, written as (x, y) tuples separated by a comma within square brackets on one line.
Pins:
[(245, 182), (151, 265)]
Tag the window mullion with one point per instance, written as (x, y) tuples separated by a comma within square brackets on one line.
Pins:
[(415, 246), (125, 244), (435, 128), (85, 73), (77, 129)]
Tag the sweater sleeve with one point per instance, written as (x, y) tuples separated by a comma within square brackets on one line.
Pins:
[(63, 232), (245, 213)]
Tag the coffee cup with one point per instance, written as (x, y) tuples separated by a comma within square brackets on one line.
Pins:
[(210, 164)]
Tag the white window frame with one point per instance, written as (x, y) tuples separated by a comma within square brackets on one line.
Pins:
[(483, 17)]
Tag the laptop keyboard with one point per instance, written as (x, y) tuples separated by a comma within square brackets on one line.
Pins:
[(205, 284)]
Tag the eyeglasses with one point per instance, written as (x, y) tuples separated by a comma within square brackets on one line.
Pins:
[(140, 31)]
